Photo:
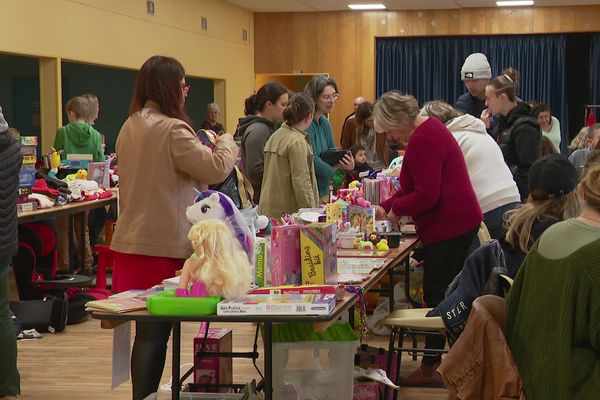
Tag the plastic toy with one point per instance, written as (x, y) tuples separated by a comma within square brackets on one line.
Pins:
[(215, 205), (54, 162), (354, 185), (219, 266), (81, 174), (365, 245), (382, 245)]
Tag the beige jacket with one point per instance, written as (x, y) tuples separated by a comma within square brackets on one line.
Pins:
[(161, 162), (480, 365), (289, 181)]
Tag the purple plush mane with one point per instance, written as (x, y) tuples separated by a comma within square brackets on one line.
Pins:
[(215, 205)]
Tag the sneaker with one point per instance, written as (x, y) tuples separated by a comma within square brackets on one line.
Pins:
[(424, 376)]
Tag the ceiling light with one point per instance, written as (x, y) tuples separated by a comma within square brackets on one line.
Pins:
[(512, 3), (367, 6)]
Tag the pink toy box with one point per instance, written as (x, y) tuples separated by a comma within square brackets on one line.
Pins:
[(285, 255), (214, 369)]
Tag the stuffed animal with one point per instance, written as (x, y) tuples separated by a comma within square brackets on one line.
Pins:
[(81, 174), (365, 245), (54, 162), (210, 204), (219, 262), (382, 245)]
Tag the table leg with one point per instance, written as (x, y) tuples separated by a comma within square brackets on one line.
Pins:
[(391, 289), (268, 344), (82, 243), (175, 384), (71, 237)]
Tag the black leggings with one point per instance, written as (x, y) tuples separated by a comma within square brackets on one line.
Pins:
[(442, 262), (148, 357)]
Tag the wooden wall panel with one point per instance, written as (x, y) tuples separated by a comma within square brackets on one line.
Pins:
[(343, 43)]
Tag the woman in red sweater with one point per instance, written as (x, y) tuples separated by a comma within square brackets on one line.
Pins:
[(437, 193)]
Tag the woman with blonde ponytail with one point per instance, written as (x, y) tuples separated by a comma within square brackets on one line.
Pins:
[(553, 308), (289, 182)]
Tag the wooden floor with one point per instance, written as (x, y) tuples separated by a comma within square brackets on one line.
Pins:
[(76, 364)]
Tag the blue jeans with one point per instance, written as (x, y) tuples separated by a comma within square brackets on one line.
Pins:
[(495, 218), (9, 377)]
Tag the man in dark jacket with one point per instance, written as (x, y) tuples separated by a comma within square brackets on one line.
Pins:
[(10, 164), (475, 73)]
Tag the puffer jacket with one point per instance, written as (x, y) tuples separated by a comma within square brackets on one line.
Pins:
[(10, 164)]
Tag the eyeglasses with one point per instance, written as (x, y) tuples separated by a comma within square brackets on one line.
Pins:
[(327, 97)]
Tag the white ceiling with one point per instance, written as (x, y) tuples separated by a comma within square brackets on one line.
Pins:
[(338, 5)]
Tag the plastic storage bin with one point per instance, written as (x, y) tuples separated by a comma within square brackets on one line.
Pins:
[(164, 395), (310, 365)]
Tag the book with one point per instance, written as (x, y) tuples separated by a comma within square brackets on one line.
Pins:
[(278, 304), (118, 305), (296, 289), (351, 278), (362, 253), (141, 294), (171, 282), (359, 265)]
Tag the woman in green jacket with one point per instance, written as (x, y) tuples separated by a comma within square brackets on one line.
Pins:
[(324, 93), (289, 181)]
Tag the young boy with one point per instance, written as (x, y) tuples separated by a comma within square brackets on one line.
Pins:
[(77, 137), (360, 164)]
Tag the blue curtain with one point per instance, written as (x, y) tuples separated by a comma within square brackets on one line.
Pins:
[(429, 67), (594, 96)]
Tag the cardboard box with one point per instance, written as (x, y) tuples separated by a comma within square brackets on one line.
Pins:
[(285, 255), (24, 190), (318, 247), (26, 178), (29, 150), (214, 369), (362, 218), (29, 140), (26, 207), (75, 164), (371, 357), (262, 247), (366, 391), (100, 172), (29, 159)]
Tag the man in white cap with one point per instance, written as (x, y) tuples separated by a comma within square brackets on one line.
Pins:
[(475, 73)]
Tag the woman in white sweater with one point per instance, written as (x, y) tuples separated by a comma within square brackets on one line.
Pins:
[(549, 124), (492, 181)]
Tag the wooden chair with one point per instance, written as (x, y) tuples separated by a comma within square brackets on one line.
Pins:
[(483, 234)]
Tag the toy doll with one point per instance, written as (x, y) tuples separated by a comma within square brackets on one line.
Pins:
[(216, 205), (219, 262)]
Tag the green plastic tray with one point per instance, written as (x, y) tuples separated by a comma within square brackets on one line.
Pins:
[(165, 303)]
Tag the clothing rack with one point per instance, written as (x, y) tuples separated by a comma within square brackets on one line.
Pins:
[(588, 108)]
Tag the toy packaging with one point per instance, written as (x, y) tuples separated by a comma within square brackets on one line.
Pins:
[(318, 246), (214, 369), (278, 304), (334, 211), (368, 390), (285, 255), (362, 218), (262, 262)]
